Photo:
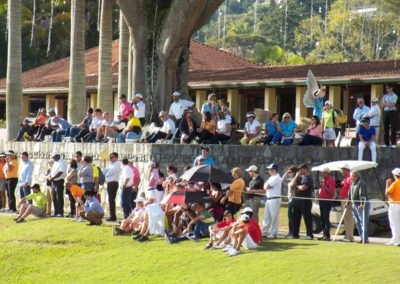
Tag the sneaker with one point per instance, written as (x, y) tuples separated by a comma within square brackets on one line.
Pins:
[(272, 237), (138, 236), (220, 246), (143, 239), (230, 250), (291, 237), (234, 252), (346, 240), (227, 248), (309, 238), (393, 146), (384, 146), (111, 219), (135, 233), (389, 244), (20, 221), (208, 246), (81, 220), (170, 239), (74, 219), (117, 231), (16, 219), (59, 216)]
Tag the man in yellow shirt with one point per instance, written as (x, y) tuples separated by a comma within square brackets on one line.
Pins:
[(38, 207), (11, 174), (234, 194), (133, 129), (393, 193)]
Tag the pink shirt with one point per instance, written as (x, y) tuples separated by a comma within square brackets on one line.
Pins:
[(123, 108), (327, 191), (136, 175), (315, 131)]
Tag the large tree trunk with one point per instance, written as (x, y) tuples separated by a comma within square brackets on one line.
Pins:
[(105, 95), (123, 57), (14, 70), (160, 32), (77, 73)]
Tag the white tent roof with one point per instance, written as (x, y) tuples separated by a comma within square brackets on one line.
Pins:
[(354, 165)]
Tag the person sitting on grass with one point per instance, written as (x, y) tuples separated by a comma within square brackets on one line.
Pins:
[(246, 233), (220, 231), (93, 212), (154, 218), (77, 194), (134, 222), (37, 208)]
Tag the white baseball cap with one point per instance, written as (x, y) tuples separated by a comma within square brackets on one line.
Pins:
[(252, 168), (396, 171), (140, 199), (139, 96), (176, 94), (328, 102)]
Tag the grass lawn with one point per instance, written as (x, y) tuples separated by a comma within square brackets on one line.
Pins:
[(58, 251)]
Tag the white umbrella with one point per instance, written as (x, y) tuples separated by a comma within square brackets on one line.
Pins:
[(354, 165)]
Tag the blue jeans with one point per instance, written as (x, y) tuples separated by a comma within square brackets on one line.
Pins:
[(126, 201), (59, 133), (88, 186), (73, 131), (201, 230), (278, 137), (358, 218), (21, 133), (25, 191), (130, 135)]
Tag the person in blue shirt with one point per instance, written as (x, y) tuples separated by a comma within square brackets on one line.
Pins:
[(205, 156), (63, 127), (92, 210), (286, 129), (211, 106), (366, 134), (271, 128)]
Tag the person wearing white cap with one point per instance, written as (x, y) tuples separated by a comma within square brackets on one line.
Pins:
[(178, 106), (348, 219), (134, 221), (273, 188), (57, 175), (374, 115), (393, 193), (210, 106), (252, 130), (254, 190), (326, 193), (329, 124), (166, 131), (139, 108)]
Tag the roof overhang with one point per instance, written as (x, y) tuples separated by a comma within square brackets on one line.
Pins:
[(53, 91)]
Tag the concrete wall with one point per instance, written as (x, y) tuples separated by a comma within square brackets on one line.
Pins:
[(227, 156)]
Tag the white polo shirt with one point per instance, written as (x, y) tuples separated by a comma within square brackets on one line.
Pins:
[(221, 126), (111, 172), (126, 172), (252, 127), (276, 183), (141, 111), (58, 166), (168, 126), (177, 108)]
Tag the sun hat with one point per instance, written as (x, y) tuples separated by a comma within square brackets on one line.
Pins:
[(140, 199), (396, 171)]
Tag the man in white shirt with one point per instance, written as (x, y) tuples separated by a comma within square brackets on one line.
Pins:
[(178, 106), (139, 108), (113, 130), (252, 130), (96, 122), (25, 171), (107, 121), (374, 116), (111, 173), (273, 188), (389, 101), (360, 112), (126, 183), (166, 131), (58, 173)]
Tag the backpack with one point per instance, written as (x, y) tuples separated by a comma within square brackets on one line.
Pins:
[(102, 177)]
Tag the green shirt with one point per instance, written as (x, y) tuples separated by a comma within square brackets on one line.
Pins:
[(38, 199), (327, 118), (208, 218)]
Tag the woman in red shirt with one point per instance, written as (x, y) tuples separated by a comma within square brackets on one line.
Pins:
[(326, 192)]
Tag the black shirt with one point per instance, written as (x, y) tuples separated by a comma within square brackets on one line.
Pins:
[(307, 181), (256, 183)]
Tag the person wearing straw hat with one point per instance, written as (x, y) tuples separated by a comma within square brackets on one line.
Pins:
[(393, 193), (11, 174), (326, 193)]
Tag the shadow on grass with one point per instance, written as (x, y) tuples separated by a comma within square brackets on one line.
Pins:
[(283, 246)]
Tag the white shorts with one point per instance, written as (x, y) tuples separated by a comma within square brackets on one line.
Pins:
[(249, 243), (329, 134)]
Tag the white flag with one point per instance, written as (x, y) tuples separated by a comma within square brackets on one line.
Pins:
[(312, 90)]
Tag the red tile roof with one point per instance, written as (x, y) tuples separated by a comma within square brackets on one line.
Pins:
[(212, 66)]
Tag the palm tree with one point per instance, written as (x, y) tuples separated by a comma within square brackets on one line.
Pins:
[(123, 56), (105, 95), (14, 69), (77, 74)]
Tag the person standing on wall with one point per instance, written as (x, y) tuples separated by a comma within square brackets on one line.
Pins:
[(389, 101)]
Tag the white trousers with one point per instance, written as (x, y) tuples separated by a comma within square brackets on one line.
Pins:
[(361, 147), (271, 217), (394, 220)]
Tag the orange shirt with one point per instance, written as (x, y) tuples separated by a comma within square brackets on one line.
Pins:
[(237, 187), (1, 170), (393, 192), (210, 126), (76, 191), (11, 171), (40, 120)]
